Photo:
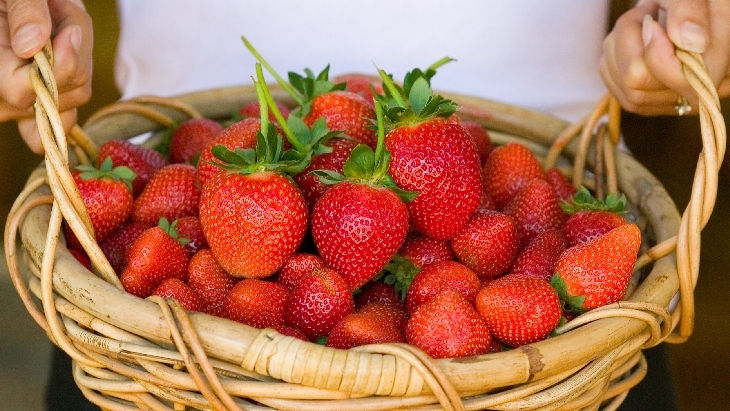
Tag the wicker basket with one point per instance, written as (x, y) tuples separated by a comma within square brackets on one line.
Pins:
[(134, 354)]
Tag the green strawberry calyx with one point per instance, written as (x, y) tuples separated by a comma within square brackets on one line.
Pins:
[(108, 171), (583, 200), (414, 101), (367, 166), (171, 230), (575, 303), (399, 273)]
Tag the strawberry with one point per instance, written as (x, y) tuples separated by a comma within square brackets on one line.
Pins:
[(448, 326), (590, 218), (210, 281), (190, 137), (480, 136), (172, 192), (241, 134), (290, 331), (142, 160), (487, 244), (564, 189), (535, 210), (296, 267), (388, 312), (346, 111), (175, 288), (486, 203), (81, 256), (253, 109), (519, 309), (538, 258), (432, 155), (107, 195), (423, 251), (358, 228), (257, 303), (254, 219), (312, 187), (362, 328), (377, 292), (153, 257), (508, 170), (116, 245), (437, 277), (361, 84), (597, 273), (190, 228), (319, 301)]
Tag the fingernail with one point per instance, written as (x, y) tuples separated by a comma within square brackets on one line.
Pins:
[(26, 38), (693, 37), (646, 32), (75, 37)]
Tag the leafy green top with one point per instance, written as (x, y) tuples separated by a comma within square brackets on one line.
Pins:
[(107, 170), (583, 200)]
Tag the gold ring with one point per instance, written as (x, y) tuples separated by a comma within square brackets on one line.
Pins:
[(682, 106)]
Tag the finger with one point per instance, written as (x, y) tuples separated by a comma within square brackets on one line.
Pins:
[(688, 24), (648, 103), (29, 129), (29, 22)]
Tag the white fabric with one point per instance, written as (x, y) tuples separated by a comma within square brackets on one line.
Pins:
[(537, 54)]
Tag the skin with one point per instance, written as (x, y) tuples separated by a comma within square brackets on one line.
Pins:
[(638, 63)]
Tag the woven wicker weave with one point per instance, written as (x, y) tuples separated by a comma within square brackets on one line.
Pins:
[(132, 354)]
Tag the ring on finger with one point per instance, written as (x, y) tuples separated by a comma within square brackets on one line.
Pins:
[(682, 106)]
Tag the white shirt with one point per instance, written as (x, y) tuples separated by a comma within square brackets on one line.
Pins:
[(542, 55)]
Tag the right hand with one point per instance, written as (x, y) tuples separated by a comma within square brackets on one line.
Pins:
[(25, 27)]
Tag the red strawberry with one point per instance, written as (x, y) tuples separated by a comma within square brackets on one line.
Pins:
[(535, 210), (538, 258), (437, 277), (142, 160), (346, 111), (377, 292), (518, 309), (358, 228), (486, 203), (210, 281), (590, 218), (116, 245), (597, 273), (448, 326), (190, 137), (290, 331), (312, 187), (564, 189), (432, 154), (253, 109), (172, 192), (362, 328), (257, 303), (190, 228), (253, 223), (423, 251), (241, 135), (175, 288), (107, 195), (319, 301), (360, 84), (153, 257), (487, 244), (81, 257), (388, 312), (436, 159), (296, 267), (508, 170), (480, 136)]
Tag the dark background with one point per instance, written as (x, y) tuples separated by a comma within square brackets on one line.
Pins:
[(669, 147)]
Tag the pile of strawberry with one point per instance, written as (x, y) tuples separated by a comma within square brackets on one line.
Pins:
[(369, 213)]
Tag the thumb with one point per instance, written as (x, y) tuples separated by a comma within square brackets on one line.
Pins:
[(30, 24), (688, 24)]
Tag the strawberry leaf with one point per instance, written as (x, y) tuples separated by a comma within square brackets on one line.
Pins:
[(400, 274), (583, 200), (575, 303)]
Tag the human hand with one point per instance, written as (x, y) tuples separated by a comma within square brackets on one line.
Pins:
[(25, 27), (639, 65)]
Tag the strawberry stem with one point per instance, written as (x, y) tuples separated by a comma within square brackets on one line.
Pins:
[(388, 83), (277, 113), (285, 85), (263, 106), (381, 135)]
